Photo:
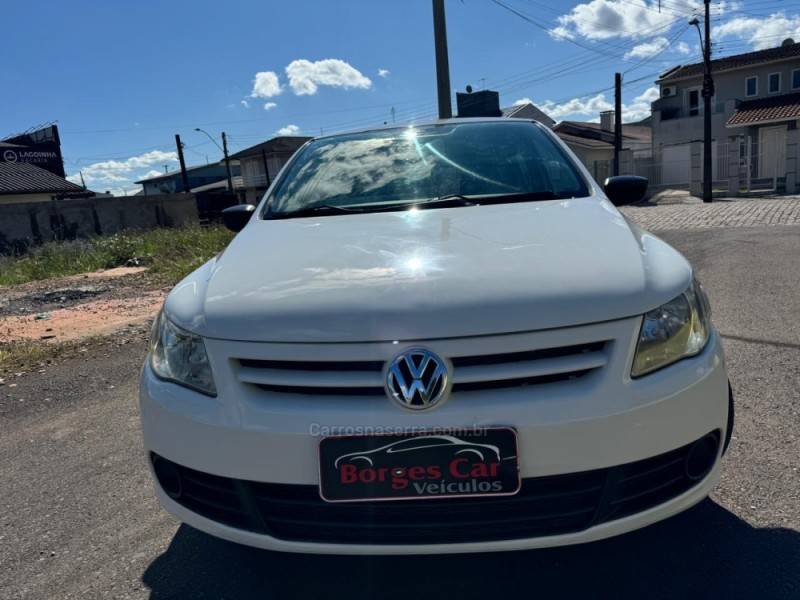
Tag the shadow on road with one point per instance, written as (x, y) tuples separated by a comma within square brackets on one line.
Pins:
[(705, 552)]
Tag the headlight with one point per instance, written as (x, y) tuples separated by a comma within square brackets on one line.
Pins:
[(673, 331), (179, 356)]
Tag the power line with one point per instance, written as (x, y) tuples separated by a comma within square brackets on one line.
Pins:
[(227, 122), (545, 28), (646, 6), (576, 64), (667, 45), (571, 66)]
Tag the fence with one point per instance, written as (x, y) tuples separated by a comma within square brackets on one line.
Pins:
[(27, 223), (760, 164), (671, 173)]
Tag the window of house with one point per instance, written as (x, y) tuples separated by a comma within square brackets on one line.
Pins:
[(751, 86), (796, 79), (694, 102), (774, 83)]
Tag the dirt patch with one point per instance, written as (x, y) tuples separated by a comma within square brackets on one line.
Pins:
[(110, 273), (89, 319), (79, 306), (64, 295), (63, 292)]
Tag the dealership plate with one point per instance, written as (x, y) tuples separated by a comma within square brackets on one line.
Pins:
[(419, 466)]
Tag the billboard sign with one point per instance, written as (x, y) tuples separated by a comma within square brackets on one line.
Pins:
[(41, 147)]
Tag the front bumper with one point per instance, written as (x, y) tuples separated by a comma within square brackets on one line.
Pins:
[(588, 425)]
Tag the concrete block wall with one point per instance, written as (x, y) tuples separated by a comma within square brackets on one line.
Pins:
[(30, 223)]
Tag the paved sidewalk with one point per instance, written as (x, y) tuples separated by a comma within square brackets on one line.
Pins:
[(731, 213)]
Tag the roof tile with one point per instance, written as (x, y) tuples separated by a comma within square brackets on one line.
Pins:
[(777, 108), (734, 62), (25, 178)]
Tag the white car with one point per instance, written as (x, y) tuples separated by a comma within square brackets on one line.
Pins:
[(466, 280)]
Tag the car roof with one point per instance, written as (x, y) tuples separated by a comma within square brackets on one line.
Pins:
[(451, 121)]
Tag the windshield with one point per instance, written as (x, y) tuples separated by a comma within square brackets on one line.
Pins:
[(415, 164)]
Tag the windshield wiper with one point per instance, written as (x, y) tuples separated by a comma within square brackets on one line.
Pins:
[(445, 201), (332, 209), (314, 210), (521, 197)]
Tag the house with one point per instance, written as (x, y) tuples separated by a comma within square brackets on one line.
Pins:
[(755, 113), (172, 182), (25, 182), (593, 143), (636, 137), (528, 110), (262, 162)]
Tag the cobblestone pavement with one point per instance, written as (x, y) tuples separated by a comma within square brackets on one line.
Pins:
[(733, 213)]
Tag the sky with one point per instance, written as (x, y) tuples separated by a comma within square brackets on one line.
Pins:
[(121, 78)]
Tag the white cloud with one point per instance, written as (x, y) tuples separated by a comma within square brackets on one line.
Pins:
[(288, 130), (149, 174), (638, 109), (123, 191), (383, 72), (305, 76), (648, 49), (761, 33), (629, 19), (121, 172), (603, 19), (576, 107), (270, 105), (245, 103), (682, 48), (266, 85), (522, 101)]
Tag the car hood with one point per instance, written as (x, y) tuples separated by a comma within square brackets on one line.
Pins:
[(427, 274)]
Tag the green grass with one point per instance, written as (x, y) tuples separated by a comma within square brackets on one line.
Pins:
[(24, 354), (169, 254)]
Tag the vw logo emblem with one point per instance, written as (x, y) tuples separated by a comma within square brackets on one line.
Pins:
[(417, 379)]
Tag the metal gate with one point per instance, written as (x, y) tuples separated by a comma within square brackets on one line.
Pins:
[(763, 161)]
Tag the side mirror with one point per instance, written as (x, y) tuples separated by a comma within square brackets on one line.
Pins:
[(625, 189), (236, 217)]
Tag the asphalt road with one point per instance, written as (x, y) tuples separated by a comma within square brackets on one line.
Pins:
[(78, 518)]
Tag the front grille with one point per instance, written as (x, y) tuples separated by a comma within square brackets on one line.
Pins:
[(544, 506), (470, 372)]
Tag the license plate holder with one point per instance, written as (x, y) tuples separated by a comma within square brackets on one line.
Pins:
[(419, 466)]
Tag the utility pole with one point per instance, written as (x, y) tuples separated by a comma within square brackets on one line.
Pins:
[(227, 161), (708, 92), (184, 176), (442, 62), (617, 120)]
